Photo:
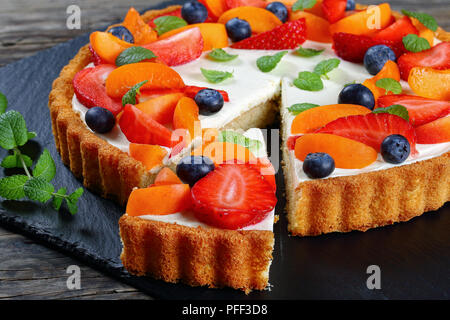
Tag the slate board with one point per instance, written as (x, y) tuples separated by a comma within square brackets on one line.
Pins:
[(414, 257)]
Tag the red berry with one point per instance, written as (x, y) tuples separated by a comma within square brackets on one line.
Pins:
[(290, 143), (334, 10), (191, 91), (233, 196), (287, 36), (95, 57), (397, 30)]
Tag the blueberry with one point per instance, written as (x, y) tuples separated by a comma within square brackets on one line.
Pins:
[(357, 94), (192, 168), (278, 9), (209, 101), (318, 165), (238, 29), (395, 149), (99, 119), (194, 12), (122, 33), (376, 57), (350, 5)]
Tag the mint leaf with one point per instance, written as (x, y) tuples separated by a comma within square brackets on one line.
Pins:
[(308, 52), (167, 23), (414, 43), (390, 85), (31, 135), (45, 167), (297, 108), (424, 18), (13, 161), (134, 55), (221, 55), (303, 4), (268, 63), (12, 188), (215, 76), (324, 67), (38, 189), (58, 198), (130, 96), (237, 138), (396, 109), (3, 103), (72, 200), (13, 130), (308, 81)]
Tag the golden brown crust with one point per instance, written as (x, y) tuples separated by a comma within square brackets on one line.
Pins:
[(196, 256)]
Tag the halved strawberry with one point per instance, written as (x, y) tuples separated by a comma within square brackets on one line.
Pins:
[(175, 13), (232, 196), (290, 143), (180, 48), (191, 91), (397, 30), (437, 131), (371, 129), (245, 3), (437, 58), (334, 10), (421, 110), (95, 57), (287, 36), (352, 47), (89, 87)]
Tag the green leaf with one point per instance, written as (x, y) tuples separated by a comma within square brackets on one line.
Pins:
[(134, 55), (297, 108), (31, 135), (308, 81), (390, 85), (3, 103), (72, 200), (13, 161), (45, 167), (396, 109), (221, 55), (12, 188), (215, 76), (13, 130), (58, 198), (303, 4), (167, 23), (414, 43), (424, 18), (130, 96), (38, 189), (324, 67), (268, 63), (237, 138), (308, 52)]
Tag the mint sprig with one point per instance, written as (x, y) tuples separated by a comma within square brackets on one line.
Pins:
[(303, 4), (395, 109), (3, 103), (215, 76), (390, 85), (134, 55), (167, 23), (424, 18), (36, 185), (130, 96), (308, 81), (268, 63), (298, 108), (308, 52), (414, 43), (326, 66), (221, 55)]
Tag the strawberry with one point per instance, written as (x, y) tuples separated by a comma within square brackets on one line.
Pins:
[(287, 36), (95, 57), (290, 143), (397, 30), (371, 129), (191, 91), (232, 196), (437, 57), (175, 13), (437, 131), (180, 48), (421, 110), (245, 3), (334, 10), (352, 47), (89, 87)]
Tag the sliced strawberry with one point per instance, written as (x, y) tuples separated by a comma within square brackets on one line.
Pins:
[(287, 36), (89, 87), (334, 10), (233, 196), (191, 91), (180, 48), (141, 128), (175, 13), (437, 131), (245, 3), (371, 129), (352, 47), (266, 169), (290, 143), (437, 58), (421, 110), (397, 30), (95, 57)]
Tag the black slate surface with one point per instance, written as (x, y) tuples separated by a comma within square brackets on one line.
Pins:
[(414, 257)]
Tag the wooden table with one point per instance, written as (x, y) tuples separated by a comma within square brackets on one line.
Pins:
[(29, 270)]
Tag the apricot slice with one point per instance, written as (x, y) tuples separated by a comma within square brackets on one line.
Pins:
[(167, 176), (221, 152), (159, 76), (209, 135), (389, 70), (260, 20), (177, 198), (424, 32), (161, 108), (186, 116), (347, 153), (317, 28), (150, 155), (437, 131), (215, 7), (430, 83), (140, 30), (312, 119), (107, 46)]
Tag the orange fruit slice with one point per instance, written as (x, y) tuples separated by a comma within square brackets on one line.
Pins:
[(221, 152), (167, 176), (260, 20), (389, 70), (150, 155), (430, 83), (161, 108), (107, 46), (185, 116), (141, 31), (317, 28)]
